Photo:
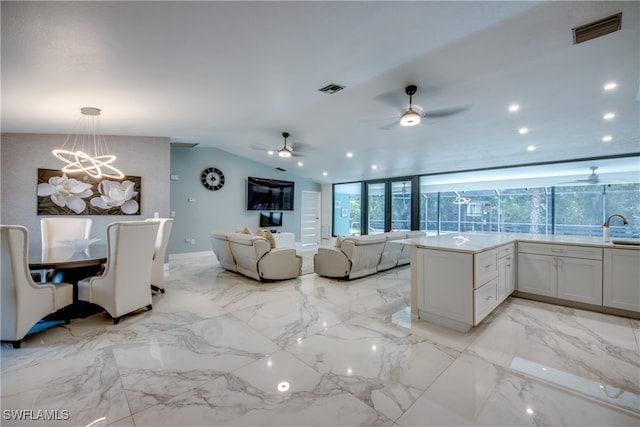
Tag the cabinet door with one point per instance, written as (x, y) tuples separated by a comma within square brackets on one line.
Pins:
[(445, 284), (537, 274), (505, 277), (622, 279), (580, 280)]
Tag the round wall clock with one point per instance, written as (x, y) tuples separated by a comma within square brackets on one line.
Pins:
[(212, 178)]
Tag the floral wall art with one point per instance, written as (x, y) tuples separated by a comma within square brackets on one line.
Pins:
[(60, 193)]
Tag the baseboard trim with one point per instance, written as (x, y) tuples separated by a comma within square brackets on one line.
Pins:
[(189, 255)]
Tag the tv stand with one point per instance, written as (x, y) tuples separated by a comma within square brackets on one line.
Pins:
[(285, 240)]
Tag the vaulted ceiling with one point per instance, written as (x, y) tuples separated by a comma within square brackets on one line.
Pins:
[(235, 75)]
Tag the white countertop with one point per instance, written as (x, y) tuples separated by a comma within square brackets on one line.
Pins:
[(478, 242)]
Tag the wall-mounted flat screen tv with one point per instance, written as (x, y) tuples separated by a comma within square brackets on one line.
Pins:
[(265, 194), (270, 219)]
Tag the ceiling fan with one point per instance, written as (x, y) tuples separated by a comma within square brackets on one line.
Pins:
[(287, 150), (593, 179), (414, 114)]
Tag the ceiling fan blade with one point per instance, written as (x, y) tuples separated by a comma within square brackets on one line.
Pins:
[(390, 126), (445, 112)]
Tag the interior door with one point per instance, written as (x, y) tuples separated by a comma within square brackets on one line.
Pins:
[(310, 233)]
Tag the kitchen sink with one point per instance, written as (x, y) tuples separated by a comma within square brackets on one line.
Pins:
[(626, 242)]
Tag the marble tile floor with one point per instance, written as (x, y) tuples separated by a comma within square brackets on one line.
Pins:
[(222, 350)]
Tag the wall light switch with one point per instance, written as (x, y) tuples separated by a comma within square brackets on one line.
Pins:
[(173, 214), (175, 177)]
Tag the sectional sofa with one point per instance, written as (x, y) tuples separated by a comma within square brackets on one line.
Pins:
[(254, 257), (358, 256)]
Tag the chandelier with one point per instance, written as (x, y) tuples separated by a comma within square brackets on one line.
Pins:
[(88, 151)]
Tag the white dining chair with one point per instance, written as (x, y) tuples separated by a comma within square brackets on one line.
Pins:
[(24, 302), (123, 286), (56, 230), (160, 253)]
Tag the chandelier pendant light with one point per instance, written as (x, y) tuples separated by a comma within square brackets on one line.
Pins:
[(89, 151)]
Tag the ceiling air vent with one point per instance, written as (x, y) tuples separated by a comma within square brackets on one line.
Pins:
[(599, 28), (331, 88), (281, 170), (184, 144)]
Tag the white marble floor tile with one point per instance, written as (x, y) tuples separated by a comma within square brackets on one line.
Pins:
[(586, 344), (473, 391), (86, 385), (380, 364), (256, 395), (288, 314), (211, 353)]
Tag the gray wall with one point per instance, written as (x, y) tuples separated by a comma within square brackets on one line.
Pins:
[(224, 209), (21, 155)]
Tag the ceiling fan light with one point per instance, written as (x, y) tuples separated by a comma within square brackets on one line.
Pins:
[(410, 118), (283, 152)]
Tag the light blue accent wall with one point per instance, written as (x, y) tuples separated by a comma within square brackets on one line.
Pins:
[(224, 209)]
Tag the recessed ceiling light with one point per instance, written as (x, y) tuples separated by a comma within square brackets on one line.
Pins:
[(349, 154), (324, 174), (522, 131), (531, 148), (374, 167), (514, 107), (609, 116), (270, 153), (300, 164), (610, 86), (607, 138)]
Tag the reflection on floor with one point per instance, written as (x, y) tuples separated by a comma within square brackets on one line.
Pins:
[(220, 349)]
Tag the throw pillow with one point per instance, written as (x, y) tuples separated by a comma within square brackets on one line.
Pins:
[(339, 240), (272, 240), (260, 232), (246, 231), (238, 230)]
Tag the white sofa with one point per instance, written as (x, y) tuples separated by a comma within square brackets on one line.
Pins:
[(358, 256), (253, 256)]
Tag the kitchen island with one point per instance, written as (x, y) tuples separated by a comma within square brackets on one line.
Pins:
[(457, 280)]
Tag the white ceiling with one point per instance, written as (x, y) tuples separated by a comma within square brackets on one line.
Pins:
[(235, 75)]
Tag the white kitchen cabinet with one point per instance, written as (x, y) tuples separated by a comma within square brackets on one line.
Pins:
[(621, 279), (572, 273), (445, 286), (459, 289), (506, 272)]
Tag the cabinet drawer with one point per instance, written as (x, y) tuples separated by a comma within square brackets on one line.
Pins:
[(486, 267), (561, 250), (485, 300), (505, 250)]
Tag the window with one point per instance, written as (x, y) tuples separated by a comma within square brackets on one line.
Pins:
[(401, 205), (376, 207)]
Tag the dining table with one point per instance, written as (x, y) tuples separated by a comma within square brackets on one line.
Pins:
[(69, 266)]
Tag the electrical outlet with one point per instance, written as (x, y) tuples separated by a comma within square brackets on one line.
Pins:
[(187, 240), (193, 241)]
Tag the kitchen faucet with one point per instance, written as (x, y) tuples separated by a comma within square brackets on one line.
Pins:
[(606, 231)]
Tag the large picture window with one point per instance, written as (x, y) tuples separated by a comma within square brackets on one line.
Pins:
[(578, 210)]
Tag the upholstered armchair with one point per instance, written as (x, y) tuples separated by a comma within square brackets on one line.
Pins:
[(24, 302), (123, 287), (160, 253)]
